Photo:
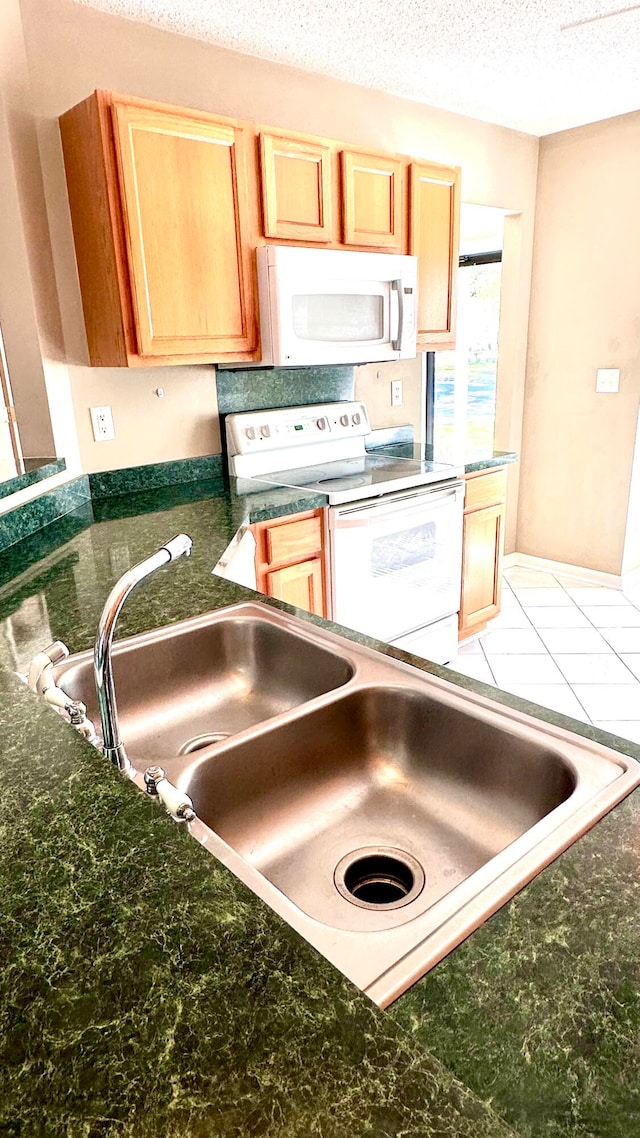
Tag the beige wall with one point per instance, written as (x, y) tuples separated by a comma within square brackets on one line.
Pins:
[(72, 50), (373, 386), (577, 444)]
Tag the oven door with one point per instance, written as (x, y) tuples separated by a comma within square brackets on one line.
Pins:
[(396, 560)]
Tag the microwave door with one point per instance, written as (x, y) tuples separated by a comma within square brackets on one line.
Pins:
[(333, 321)]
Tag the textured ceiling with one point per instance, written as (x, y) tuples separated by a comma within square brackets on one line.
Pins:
[(513, 62)]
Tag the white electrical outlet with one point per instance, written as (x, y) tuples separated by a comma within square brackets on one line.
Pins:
[(102, 423), (396, 393), (608, 379)]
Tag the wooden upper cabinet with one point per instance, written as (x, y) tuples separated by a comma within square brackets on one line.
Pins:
[(372, 200), (184, 194), (159, 207), (165, 208), (434, 224), (296, 188)]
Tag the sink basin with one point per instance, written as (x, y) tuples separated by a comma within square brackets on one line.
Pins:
[(383, 768), (185, 686), (383, 812)]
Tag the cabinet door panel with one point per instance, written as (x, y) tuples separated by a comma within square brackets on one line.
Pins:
[(486, 489), (482, 547), (433, 238), (299, 585), (293, 540), (296, 188), (184, 196), (372, 201)]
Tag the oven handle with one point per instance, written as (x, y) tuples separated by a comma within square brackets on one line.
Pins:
[(364, 515)]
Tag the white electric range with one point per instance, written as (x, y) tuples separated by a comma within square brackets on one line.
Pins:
[(393, 525)]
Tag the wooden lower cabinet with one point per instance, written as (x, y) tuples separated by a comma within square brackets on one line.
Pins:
[(300, 585), (290, 560), (482, 550)]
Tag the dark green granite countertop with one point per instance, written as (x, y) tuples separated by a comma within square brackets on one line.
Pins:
[(146, 992)]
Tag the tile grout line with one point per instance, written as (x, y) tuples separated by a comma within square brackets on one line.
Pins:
[(548, 651), (613, 650)]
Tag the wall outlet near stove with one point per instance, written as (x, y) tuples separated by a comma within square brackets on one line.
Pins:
[(396, 393), (102, 423)]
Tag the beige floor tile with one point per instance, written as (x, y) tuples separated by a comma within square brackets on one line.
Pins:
[(596, 596), (470, 648), (509, 599), (526, 669), (558, 616), (587, 668), (612, 616), (569, 582), (632, 661), (510, 641), (622, 640), (609, 701), (543, 598), (533, 578), (513, 616), (572, 640)]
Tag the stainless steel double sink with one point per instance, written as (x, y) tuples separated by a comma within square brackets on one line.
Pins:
[(383, 812)]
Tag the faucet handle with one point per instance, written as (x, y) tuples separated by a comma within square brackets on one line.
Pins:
[(179, 546)]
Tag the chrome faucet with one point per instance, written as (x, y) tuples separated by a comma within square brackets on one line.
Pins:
[(113, 746)]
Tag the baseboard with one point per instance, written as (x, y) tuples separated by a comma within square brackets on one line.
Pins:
[(631, 580), (545, 565)]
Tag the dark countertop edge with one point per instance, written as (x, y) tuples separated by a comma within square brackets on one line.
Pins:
[(46, 468), (499, 458)]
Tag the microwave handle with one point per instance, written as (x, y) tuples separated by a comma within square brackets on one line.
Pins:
[(397, 286)]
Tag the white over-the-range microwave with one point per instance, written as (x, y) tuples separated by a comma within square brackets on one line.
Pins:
[(334, 306)]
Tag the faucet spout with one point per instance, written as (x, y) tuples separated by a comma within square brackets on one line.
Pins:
[(113, 747)]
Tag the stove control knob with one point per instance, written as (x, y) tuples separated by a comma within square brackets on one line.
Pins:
[(344, 420), (250, 432), (321, 424), (356, 419), (265, 431)]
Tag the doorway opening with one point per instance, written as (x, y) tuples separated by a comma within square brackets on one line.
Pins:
[(462, 384)]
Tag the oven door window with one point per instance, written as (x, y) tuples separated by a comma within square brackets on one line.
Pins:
[(404, 554), (396, 568)]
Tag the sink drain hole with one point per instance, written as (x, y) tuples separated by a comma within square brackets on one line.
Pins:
[(379, 878), (200, 741)]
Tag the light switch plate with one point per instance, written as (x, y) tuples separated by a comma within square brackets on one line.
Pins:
[(608, 379)]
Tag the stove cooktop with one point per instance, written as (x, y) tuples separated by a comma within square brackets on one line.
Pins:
[(365, 476)]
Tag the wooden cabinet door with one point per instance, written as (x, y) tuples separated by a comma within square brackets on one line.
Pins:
[(434, 224), (184, 196), (372, 201), (299, 585), (296, 188), (482, 546)]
